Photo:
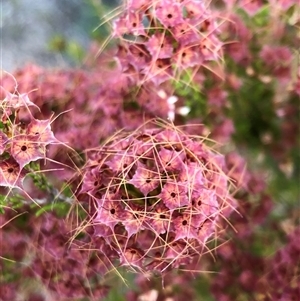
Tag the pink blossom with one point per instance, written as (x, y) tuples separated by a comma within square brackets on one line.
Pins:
[(158, 71), (42, 130), (11, 175), (160, 46), (159, 220), (170, 160), (110, 211), (169, 13), (27, 148), (186, 34), (174, 195), (186, 225), (145, 179)]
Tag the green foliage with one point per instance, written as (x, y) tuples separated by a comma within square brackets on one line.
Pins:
[(253, 113), (70, 48), (12, 200)]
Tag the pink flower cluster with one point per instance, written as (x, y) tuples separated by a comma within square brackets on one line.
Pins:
[(85, 104), (278, 273), (23, 139), (160, 39), (158, 195), (281, 279), (59, 270)]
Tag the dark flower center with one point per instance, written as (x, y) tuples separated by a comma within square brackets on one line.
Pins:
[(133, 24), (23, 148), (68, 284), (10, 170), (170, 16), (148, 181), (112, 211), (184, 223), (163, 216), (173, 195)]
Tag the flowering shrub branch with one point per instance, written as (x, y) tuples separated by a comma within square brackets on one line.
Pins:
[(152, 196)]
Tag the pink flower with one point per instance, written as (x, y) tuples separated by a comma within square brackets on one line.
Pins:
[(206, 230), (187, 57), (133, 219), (210, 48), (27, 148), (170, 139), (186, 34), (11, 174), (149, 98), (134, 23), (170, 160), (205, 204), (160, 46), (158, 71), (178, 251), (139, 4), (132, 257), (192, 175), (17, 101), (186, 225), (145, 179), (121, 162), (159, 219), (169, 13), (92, 180), (195, 9), (138, 56), (174, 195), (110, 211), (42, 130), (120, 26)]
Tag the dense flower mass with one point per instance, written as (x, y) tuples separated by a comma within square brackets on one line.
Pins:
[(159, 196), (162, 38), (54, 268)]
